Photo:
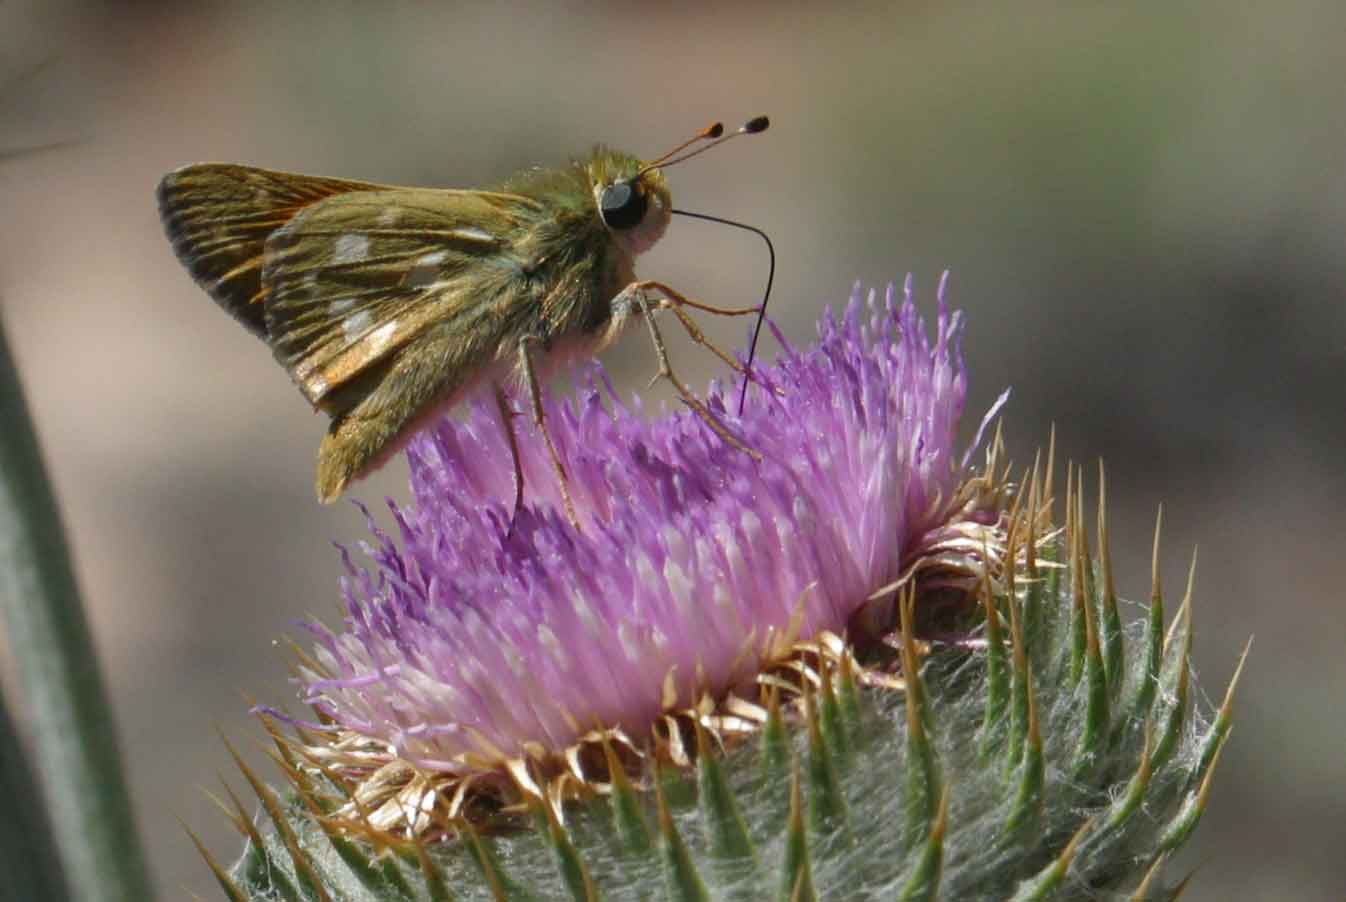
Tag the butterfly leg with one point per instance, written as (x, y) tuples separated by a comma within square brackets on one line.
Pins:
[(691, 400), (675, 301), (540, 418), (695, 334), (681, 299), (507, 421)]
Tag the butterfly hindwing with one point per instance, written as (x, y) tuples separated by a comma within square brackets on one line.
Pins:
[(385, 404), (356, 279), (473, 332), (218, 217)]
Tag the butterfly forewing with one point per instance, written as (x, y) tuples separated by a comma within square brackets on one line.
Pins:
[(218, 217), (359, 276)]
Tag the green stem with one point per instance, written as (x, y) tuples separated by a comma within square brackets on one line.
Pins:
[(73, 738), (28, 856)]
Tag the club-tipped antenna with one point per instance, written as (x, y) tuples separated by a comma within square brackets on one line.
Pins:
[(766, 295), (709, 133), (751, 127)]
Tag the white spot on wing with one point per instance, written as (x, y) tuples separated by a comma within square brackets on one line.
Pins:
[(472, 233), (381, 336), (342, 305), (311, 382), (351, 248), (425, 269), (356, 325)]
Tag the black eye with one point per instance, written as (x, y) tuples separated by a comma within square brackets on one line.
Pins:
[(622, 206)]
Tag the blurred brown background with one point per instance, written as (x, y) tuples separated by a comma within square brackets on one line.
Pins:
[(1144, 213)]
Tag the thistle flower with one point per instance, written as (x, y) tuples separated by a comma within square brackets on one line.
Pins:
[(697, 565), (491, 664)]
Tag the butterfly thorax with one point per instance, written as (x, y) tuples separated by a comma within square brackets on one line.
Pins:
[(651, 202), (577, 261)]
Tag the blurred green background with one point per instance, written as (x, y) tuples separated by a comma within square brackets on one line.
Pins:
[(1143, 209)]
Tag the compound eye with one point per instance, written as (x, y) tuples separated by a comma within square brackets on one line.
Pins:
[(622, 206)]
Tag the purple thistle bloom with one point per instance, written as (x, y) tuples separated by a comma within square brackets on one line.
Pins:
[(697, 566)]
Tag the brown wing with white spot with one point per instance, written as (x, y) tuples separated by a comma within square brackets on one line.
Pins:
[(218, 217), (355, 280)]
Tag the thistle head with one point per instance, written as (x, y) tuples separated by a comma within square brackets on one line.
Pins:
[(861, 618)]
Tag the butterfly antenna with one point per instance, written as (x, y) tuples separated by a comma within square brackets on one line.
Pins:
[(751, 127), (766, 296), (715, 134), (709, 133)]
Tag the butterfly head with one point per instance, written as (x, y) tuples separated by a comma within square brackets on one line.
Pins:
[(632, 196), (633, 203)]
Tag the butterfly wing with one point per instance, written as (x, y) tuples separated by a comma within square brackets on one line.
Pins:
[(218, 217), (358, 278)]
